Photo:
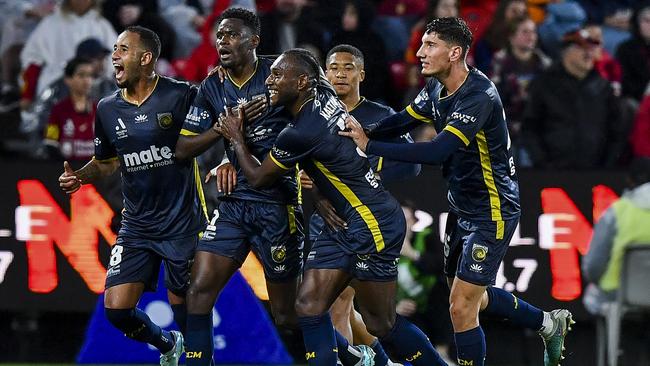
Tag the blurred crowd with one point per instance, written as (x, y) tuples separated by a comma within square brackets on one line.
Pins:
[(574, 78), (573, 75)]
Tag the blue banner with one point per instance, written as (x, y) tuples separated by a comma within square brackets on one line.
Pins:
[(243, 331)]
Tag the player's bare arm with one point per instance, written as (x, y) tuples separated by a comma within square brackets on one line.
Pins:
[(70, 181), (258, 175)]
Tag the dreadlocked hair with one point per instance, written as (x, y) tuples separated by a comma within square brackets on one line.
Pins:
[(311, 66)]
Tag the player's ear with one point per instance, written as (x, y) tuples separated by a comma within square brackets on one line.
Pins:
[(362, 75), (255, 41), (303, 82), (455, 53), (146, 58)]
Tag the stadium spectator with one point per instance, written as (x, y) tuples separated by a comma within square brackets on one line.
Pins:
[(34, 119), (393, 21), (571, 119), (290, 25), (625, 223), (19, 18), (203, 58), (187, 22), (561, 17), (495, 37), (54, 41), (355, 29), (634, 54), (511, 71), (145, 13), (607, 66), (70, 132), (640, 136)]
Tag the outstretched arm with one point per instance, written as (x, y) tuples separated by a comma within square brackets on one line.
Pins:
[(70, 181), (434, 152), (395, 125)]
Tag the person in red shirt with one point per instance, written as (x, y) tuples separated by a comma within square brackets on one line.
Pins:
[(70, 131)]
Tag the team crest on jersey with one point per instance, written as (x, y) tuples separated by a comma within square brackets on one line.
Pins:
[(279, 253), (165, 120), (479, 252)]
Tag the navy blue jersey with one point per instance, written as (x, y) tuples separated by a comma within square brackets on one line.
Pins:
[(212, 99), (367, 112), (481, 175), (341, 171), (162, 196)]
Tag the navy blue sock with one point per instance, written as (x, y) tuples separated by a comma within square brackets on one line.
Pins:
[(381, 358), (470, 346), (347, 354), (136, 325), (506, 305), (320, 340), (180, 317), (199, 340), (411, 344)]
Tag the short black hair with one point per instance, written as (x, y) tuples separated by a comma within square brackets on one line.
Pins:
[(309, 64), (347, 49), (72, 65), (149, 39), (250, 19), (452, 30)]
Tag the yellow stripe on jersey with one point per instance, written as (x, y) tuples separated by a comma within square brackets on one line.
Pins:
[(416, 115), (299, 184), (380, 164), (355, 202), (278, 163), (458, 133), (185, 132), (292, 219), (199, 189), (488, 177)]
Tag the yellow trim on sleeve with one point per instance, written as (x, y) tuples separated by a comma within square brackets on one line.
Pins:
[(417, 115), (52, 132), (185, 132), (355, 202), (488, 177), (380, 164), (458, 133), (199, 189), (278, 163), (292, 219), (105, 160)]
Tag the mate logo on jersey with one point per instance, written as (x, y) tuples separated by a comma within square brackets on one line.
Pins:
[(153, 157)]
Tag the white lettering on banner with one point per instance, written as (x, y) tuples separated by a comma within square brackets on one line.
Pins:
[(548, 230), (6, 257)]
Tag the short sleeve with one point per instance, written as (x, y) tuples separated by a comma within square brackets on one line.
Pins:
[(289, 149), (421, 108), (104, 149), (470, 115), (200, 115)]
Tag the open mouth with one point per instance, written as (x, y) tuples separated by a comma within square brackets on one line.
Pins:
[(119, 70), (224, 53)]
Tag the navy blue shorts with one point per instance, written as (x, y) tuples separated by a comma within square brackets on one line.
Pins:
[(138, 260), (474, 250), (331, 249), (274, 232)]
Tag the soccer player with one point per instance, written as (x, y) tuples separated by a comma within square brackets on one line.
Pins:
[(268, 220), (365, 251), (473, 147), (136, 129), (345, 71)]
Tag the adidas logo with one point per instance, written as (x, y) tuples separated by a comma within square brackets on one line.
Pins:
[(141, 118), (476, 267), (363, 266)]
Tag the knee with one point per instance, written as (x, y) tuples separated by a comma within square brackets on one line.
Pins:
[(121, 319), (306, 306), (379, 326), (462, 311)]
